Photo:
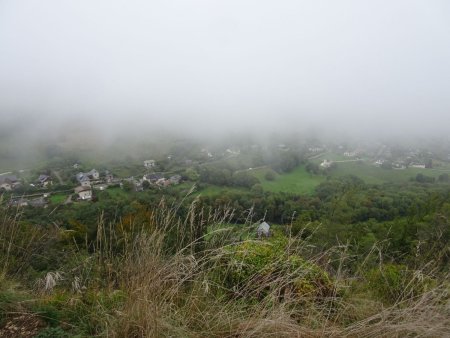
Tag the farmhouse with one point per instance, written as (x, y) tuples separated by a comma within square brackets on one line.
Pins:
[(85, 178), (175, 179), (8, 182), (109, 178), (44, 180), (149, 163), (417, 165), (39, 202), (326, 164), (93, 174), (152, 178), (84, 193)]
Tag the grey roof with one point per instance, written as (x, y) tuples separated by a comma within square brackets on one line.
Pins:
[(8, 178), (80, 189), (42, 178)]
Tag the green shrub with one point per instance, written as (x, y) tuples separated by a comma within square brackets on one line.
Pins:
[(395, 282), (257, 268)]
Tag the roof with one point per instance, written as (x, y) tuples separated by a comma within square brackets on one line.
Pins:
[(8, 178), (80, 189), (43, 178), (153, 176)]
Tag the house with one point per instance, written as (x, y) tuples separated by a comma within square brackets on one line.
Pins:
[(418, 165), (9, 182), (175, 179), (93, 174), (379, 163), (263, 230), (326, 164), (84, 193), (149, 163), (39, 202), (44, 180), (233, 151), (83, 179), (109, 178), (76, 166), (21, 202), (152, 178), (315, 149)]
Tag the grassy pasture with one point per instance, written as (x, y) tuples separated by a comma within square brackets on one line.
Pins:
[(299, 181), (375, 175)]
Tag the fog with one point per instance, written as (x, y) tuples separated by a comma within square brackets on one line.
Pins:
[(208, 67)]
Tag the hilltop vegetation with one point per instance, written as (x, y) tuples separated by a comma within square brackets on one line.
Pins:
[(356, 250)]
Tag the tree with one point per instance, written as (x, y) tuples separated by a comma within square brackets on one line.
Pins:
[(443, 178), (270, 175)]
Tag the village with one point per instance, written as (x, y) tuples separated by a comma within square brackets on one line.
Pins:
[(37, 192), (78, 183)]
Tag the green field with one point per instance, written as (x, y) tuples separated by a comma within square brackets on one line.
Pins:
[(299, 181), (330, 157), (58, 198), (376, 175), (213, 190)]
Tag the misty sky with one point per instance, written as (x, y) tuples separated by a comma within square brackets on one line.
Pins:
[(346, 65)]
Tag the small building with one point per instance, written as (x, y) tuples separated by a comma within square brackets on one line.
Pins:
[(39, 202), (84, 193), (8, 182), (263, 230), (152, 178), (93, 174), (326, 164), (44, 180), (84, 180), (175, 179), (149, 163), (21, 202), (108, 177), (379, 163)]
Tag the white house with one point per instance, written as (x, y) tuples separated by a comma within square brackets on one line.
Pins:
[(84, 193), (94, 174), (326, 164), (149, 163)]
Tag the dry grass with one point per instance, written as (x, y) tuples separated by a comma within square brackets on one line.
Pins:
[(178, 295), (168, 273)]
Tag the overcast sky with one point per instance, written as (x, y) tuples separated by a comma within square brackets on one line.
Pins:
[(211, 65)]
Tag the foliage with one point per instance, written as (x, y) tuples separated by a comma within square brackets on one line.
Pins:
[(253, 268), (395, 282)]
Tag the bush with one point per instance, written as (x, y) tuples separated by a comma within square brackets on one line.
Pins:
[(256, 269), (270, 175), (395, 282)]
